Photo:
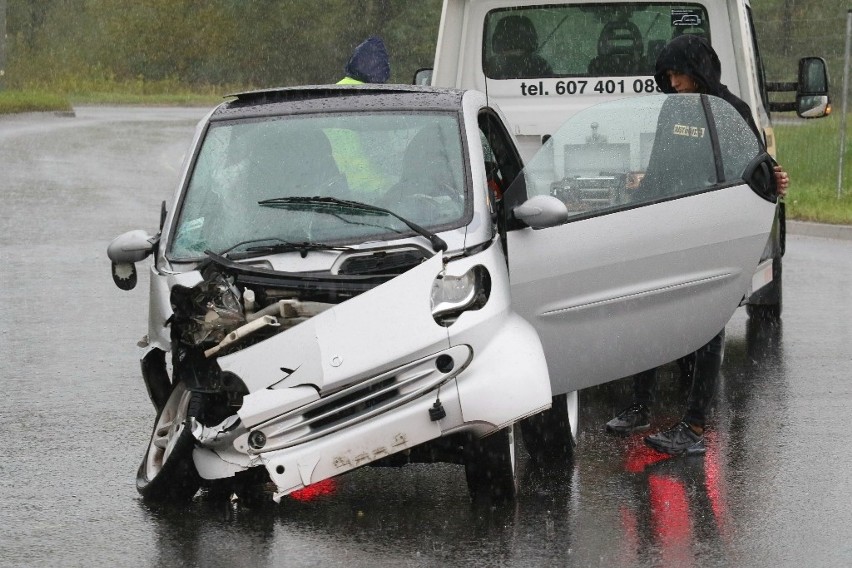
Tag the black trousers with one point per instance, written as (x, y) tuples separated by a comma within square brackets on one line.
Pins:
[(705, 377)]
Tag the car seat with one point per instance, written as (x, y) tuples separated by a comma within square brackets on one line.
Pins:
[(425, 164), (298, 164), (698, 30), (514, 46), (426, 179), (619, 50), (655, 46)]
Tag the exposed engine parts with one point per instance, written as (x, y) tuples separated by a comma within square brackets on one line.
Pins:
[(218, 316)]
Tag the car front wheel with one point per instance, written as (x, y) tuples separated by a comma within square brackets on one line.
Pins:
[(551, 436), (167, 472), (491, 466)]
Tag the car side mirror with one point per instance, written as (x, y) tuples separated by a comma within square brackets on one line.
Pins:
[(423, 77), (812, 90), (541, 212), (126, 250), (759, 174)]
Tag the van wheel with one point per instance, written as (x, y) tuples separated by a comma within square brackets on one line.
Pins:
[(551, 436), (167, 472), (770, 311), (491, 466)]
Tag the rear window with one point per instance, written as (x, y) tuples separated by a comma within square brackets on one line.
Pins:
[(584, 40)]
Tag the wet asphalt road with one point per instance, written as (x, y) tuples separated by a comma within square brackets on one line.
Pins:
[(773, 490)]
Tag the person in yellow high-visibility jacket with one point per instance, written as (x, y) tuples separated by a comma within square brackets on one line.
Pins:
[(369, 63)]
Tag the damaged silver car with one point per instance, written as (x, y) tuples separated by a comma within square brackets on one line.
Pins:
[(368, 275)]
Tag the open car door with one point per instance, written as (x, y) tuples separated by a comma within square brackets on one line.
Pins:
[(634, 233)]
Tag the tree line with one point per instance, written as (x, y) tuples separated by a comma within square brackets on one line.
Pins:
[(213, 42), (790, 29), (263, 43)]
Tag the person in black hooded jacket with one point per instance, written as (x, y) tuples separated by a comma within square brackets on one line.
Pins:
[(369, 63), (687, 64)]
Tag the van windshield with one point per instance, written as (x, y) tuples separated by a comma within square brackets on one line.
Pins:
[(584, 40)]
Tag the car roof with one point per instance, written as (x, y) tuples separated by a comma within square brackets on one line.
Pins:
[(338, 98)]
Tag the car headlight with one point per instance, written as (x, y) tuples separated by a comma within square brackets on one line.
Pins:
[(452, 295)]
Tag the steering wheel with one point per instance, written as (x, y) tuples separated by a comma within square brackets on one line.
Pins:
[(446, 190)]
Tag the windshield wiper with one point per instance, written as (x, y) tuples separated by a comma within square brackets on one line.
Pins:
[(301, 248), (278, 246), (438, 244)]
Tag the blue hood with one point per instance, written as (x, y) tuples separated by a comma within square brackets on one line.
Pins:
[(369, 62)]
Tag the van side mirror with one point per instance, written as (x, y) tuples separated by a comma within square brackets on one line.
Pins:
[(423, 77), (812, 91)]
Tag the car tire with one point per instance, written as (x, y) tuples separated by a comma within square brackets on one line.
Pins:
[(167, 472), (550, 437), (770, 311), (491, 466)]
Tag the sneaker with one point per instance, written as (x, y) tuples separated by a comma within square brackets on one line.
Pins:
[(677, 440), (634, 418)]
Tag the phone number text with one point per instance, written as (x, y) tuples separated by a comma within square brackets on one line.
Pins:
[(584, 87)]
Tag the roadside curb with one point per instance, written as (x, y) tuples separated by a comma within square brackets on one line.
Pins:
[(31, 113), (822, 230)]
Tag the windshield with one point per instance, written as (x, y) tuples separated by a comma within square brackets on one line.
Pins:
[(585, 40), (410, 164), (639, 150)]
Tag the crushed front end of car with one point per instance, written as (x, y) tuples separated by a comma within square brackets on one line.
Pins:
[(370, 378), (330, 291)]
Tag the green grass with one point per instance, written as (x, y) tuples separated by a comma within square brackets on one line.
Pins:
[(162, 99), (43, 100), (107, 90), (809, 151), (32, 101)]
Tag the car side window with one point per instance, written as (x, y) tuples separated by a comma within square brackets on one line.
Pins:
[(681, 159), (636, 152), (493, 175), (737, 147), (503, 166), (502, 162)]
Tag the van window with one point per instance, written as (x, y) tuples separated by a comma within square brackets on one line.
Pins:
[(584, 40)]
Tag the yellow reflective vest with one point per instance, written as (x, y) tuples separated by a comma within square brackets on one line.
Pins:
[(348, 151)]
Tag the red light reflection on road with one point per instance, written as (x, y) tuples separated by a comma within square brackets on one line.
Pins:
[(714, 482), (318, 489), (675, 499), (640, 456), (670, 519)]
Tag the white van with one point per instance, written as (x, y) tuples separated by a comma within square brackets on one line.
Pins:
[(543, 61)]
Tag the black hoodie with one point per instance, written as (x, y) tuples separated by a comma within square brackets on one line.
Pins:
[(681, 164), (369, 62), (692, 55)]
